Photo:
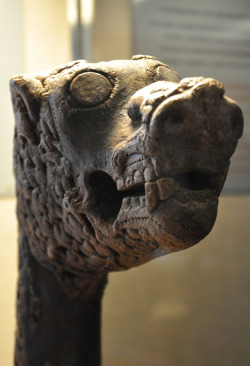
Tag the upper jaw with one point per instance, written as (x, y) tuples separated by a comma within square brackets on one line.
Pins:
[(140, 179)]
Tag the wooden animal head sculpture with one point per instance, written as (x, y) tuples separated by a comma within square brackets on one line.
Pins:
[(116, 163)]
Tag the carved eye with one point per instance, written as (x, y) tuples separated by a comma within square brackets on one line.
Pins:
[(90, 89)]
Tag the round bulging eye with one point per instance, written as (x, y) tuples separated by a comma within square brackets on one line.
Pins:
[(90, 89)]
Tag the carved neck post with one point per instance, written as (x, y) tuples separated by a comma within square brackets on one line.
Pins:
[(55, 329)]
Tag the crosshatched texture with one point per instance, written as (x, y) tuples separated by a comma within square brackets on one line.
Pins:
[(111, 177)]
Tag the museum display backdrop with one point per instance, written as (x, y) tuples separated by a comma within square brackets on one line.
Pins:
[(209, 38), (116, 163)]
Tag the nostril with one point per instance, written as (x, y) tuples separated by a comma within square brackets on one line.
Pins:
[(176, 119), (169, 117)]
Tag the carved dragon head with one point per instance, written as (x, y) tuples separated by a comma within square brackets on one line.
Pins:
[(119, 162)]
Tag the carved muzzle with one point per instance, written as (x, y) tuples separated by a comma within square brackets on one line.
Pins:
[(178, 156), (185, 127)]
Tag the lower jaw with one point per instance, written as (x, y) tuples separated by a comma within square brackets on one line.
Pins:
[(177, 223)]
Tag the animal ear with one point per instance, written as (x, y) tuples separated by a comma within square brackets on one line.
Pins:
[(26, 94)]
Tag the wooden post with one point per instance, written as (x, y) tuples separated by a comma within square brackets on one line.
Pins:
[(116, 164), (55, 329)]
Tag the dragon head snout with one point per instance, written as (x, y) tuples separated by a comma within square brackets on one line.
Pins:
[(193, 111)]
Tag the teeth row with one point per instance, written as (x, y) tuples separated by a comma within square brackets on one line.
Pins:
[(162, 189), (136, 177), (135, 160), (159, 190), (133, 202)]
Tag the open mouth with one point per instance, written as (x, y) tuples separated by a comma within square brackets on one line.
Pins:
[(107, 199), (194, 180)]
